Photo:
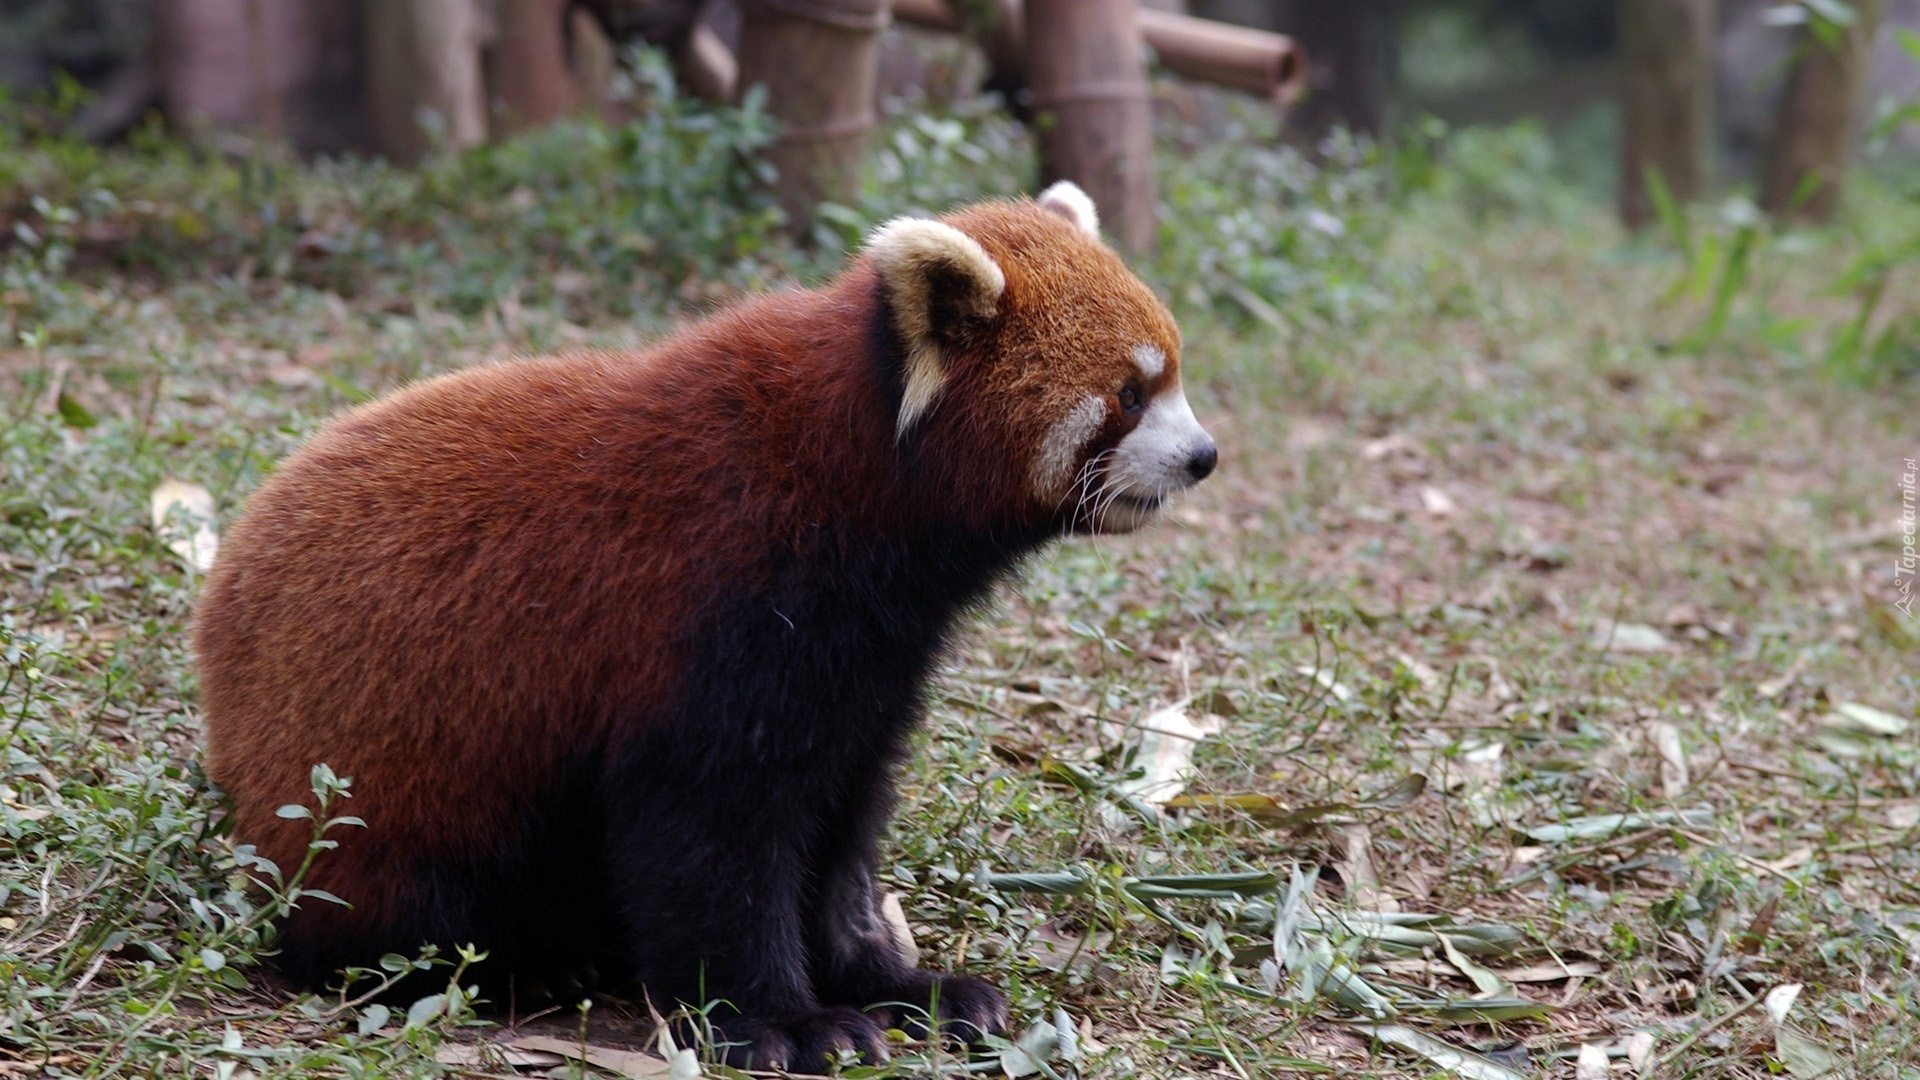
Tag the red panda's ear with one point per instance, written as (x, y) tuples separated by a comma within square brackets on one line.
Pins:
[(1066, 199), (936, 278)]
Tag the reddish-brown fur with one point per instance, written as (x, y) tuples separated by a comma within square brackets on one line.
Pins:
[(448, 594)]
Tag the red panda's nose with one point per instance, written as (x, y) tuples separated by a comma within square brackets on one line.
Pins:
[(1202, 462)]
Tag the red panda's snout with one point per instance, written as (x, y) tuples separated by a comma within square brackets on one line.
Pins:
[(1166, 453), (1122, 486)]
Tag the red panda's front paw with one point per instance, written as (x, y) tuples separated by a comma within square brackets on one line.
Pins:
[(965, 1008), (805, 1042)]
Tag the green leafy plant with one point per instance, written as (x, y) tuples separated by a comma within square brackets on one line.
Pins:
[(1718, 261), (1856, 351), (1253, 229)]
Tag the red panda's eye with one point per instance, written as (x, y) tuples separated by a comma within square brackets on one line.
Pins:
[(1129, 400)]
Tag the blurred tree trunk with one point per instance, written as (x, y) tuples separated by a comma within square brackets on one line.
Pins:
[(529, 69), (1666, 100), (424, 82), (1088, 78), (282, 68), (1346, 43), (819, 62), (1819, 117)]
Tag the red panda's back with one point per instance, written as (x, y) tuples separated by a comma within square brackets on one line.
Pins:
[(480, 530)]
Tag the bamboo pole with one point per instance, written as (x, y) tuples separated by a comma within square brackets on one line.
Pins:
[(260, 61), (1256, 62), (1095, 122), (532, 78), (1819, 118), (1350, 64), (1666, 99), (819, 63), (285, 69), (424, 84)]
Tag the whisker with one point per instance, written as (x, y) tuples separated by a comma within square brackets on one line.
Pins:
[(1083, 490)]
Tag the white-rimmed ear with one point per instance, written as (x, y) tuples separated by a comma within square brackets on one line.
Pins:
[(1066, 199), (936, 276)]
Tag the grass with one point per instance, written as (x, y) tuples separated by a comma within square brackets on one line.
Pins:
[(1489, 557)]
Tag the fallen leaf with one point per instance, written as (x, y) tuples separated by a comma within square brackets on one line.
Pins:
[(183, 517), (1598, 826), (1799, 856), (1553, 971), (1375, 449), (1640, 1050), (1592, 1063), (1069, 1035), (1774, 687), (1036, 1046), (465, 1056), (1326, 680), (1164, 753), (631, 1063), (1674, 777), (1868, 719), (1058, 950), (896, 920), (1437, 502), (1779, 1001), (1761, 924), (1357, 870), (1446, 1056), (1486, 982), (1476, 773), (1856, 730), (1802, 1056), (1629, 638)]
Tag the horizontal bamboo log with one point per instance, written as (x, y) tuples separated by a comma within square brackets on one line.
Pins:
[(1240, 58)]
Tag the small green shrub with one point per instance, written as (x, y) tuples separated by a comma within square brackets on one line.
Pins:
[(1252, 229)]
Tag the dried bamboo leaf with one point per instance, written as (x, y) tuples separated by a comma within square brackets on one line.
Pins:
[(183, 517), (1600, 826), (1868, 719), (630, 1063), (1487, 982), (1464, 1062)]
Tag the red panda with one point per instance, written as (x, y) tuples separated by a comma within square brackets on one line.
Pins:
[(619, 649)]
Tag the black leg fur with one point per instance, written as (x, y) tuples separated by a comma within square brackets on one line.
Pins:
[(855, 959), (742, 832)]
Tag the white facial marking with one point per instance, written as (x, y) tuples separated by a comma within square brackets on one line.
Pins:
[(1053, 466), (1151, 360), (1152, 462)]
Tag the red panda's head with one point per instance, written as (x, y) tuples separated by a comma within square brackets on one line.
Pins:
[(1034, 354)]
